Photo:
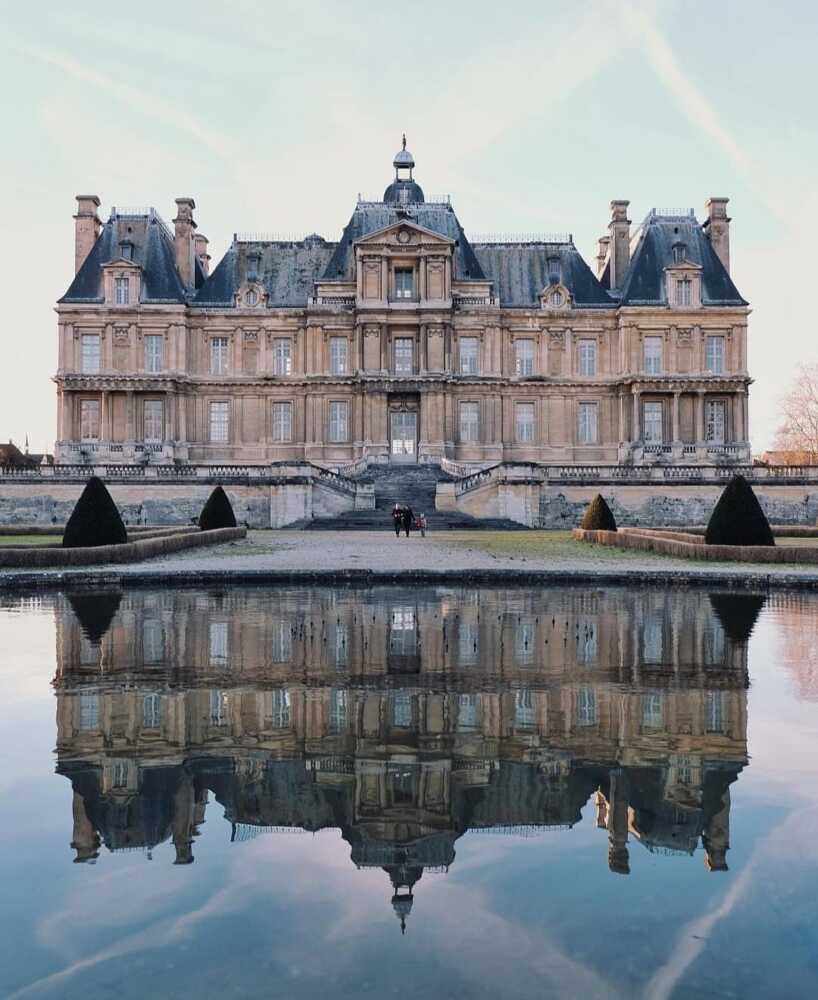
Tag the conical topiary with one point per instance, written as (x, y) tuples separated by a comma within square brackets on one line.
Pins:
[(598, 516), (217, 512), (95, 520), (737, 518)]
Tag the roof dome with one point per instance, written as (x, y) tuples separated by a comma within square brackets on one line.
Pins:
[(403, 190)]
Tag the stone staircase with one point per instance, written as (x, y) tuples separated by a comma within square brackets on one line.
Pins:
[(413, 485)]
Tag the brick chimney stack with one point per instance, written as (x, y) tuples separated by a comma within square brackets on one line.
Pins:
[(87, 227), (184, 229), (620, 246), (717, 228), (200, 250)]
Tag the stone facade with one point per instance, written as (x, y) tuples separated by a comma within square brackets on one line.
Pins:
[(403, 341)]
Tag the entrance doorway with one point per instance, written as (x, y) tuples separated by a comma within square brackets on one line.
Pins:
[(403, 435)]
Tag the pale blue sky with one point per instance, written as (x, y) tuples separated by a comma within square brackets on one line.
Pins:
[(274, 116)]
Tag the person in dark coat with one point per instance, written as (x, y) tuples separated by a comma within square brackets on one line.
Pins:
[(407, 519), (397, 519)]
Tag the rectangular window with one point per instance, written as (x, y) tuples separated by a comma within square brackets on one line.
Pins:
[(652, 423), (338, 355), (404, 356), (524, 642), (89, 711), (282, 422), (586, 707), (716, 716), (282, 357), (151, 711), (154, 420), (684, 292), (218, 355), (339, 421), (218, 708), (587, 357), (122, 291), (714, 355), (714, 421), (338, 710), (468, 643), (525, 422), (280, 708), (153, 353), (218, 644), (469, 422), (153, 641), (282, 635), (341, 644), (90, 353), (587, 423), (524, 357), (402, 710), (89, 420), (219, 423), (404, 283), (468, 355), (652, 710), (524, 713), (653, 355), (653, 639), (467, 708)]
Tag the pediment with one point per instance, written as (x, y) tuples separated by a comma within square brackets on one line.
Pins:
[(404, 234), (684, 265), (122, 262)]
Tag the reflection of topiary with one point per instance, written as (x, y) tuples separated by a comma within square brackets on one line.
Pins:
[(95, 520), (737, 613), (95, 611), (217, 512), (598, 516), (737, 518)]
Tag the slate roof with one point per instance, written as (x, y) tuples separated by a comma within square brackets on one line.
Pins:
[(370, 216), (645, 281), (152, 249), (520, 272), (286, 269)]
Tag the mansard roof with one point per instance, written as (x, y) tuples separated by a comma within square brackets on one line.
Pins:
[(520, 272), (372, 216), (655, 240), (153, 251), (286, 268)]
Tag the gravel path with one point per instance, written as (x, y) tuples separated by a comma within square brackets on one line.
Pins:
[(477, 555)]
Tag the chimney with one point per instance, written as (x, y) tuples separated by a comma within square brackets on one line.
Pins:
[(602, 255), (184, 228), (200, 250), (717, 228), (620, 242), (87, 227)]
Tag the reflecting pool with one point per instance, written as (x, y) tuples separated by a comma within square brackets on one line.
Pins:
[(394, 792)]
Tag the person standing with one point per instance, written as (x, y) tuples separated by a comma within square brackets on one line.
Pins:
[(397, 518), (407, 519)]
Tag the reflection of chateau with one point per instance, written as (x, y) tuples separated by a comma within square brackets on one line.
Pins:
[(403, 718)]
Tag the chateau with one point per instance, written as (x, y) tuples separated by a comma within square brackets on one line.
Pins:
[(404, 341)]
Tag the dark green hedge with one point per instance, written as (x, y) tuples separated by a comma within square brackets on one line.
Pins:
[(598, 516), (737, 518), (217, 512), (94, 520)]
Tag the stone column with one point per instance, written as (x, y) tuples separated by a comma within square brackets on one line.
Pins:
[(262, 352), (700, 417), (676, 435), (104, 406), (130, 416), (635, 425), (569, 353)]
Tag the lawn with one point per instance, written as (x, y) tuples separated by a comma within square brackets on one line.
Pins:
[(55, 540), (536, 546)]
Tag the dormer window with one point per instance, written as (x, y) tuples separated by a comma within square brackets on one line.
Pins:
[(251, 297), (122, 291), (252, 266), (404, 283), (684, 292), (679, 252), (554, 270), (126, 250), (556, 298)]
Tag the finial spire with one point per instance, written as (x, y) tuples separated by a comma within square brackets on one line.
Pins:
[(404, 140)]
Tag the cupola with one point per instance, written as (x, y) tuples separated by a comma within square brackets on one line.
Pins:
[(403, 190)]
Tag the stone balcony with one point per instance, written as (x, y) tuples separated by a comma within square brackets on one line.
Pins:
[(120, 452)]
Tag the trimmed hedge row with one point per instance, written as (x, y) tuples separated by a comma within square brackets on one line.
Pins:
[(659, 541), (34, 557)]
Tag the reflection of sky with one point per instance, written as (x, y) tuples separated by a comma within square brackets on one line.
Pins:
[(290, 916)]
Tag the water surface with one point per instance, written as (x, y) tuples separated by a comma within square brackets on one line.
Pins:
[(409, 792)]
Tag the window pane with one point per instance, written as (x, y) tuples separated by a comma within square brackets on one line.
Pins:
[(525, 422), (282, 641), (587, 423), (653, 355), (684, 291), (280, 709), (282, 422), (714, 421), (524, 357), (218, 644), (338, 421), (151, 711), (154, 420), (404, 356), (89, 711), (586, 707), (404, 283), (652, 422), (468, 355), (524, 714), (469, 421), (153, 353), (587, 357), (218, 356), (122, 291), (338, 355), (219, 422), (714, 355), (90, 353), (282, 357), (89, 419)]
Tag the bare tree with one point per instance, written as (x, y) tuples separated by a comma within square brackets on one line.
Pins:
[(798, 432)]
